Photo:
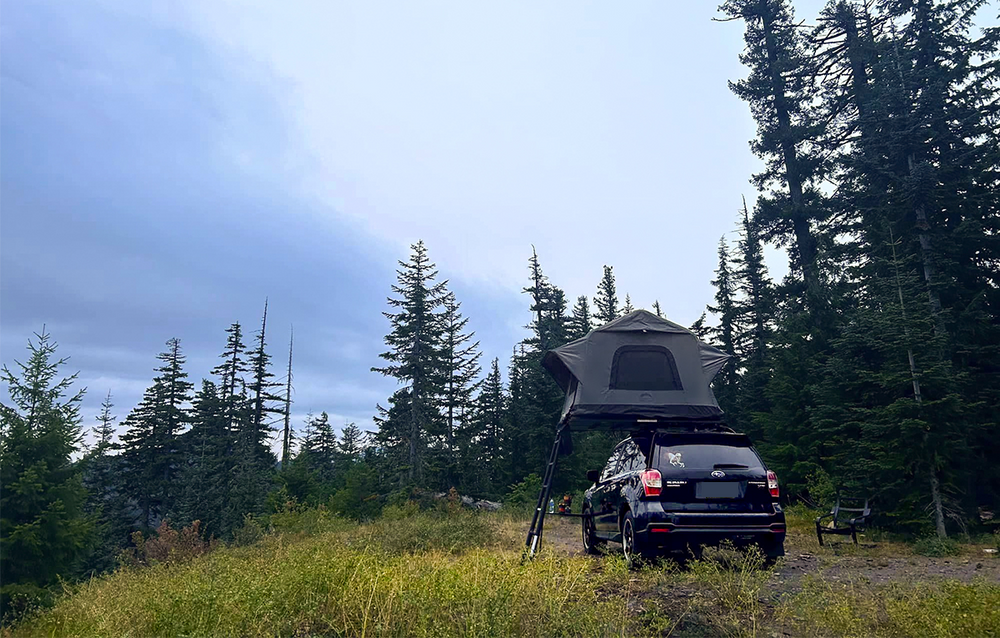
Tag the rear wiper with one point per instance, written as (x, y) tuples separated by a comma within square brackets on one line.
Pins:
[(730, 466)]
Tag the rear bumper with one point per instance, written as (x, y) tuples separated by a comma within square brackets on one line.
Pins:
[(656, 528)]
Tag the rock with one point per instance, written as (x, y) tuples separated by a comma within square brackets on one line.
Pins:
[(489, 506)]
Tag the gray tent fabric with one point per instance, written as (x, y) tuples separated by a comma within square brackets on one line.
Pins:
[(639, 366)]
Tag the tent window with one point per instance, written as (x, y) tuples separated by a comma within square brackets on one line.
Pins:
[(649, 368)]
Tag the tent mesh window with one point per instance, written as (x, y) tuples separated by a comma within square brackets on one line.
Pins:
[(649, 368)]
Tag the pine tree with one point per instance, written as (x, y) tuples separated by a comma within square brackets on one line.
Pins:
[(700, 328), (755, 305), (490, 424), (460, 359), (780, 94), (414, 359), (536, 400), (914, 108), (352, 443), (724, 335), (230, 373), (263, 399), (43, 528), (152, 453), (105, 502), (105, 430), (627, 308), (579, 324), (606, 299), (320, 446), (754, 308), (206, 476), (656, 308)]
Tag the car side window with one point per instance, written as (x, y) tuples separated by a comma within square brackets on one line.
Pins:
[(633, 459), (612, 467)]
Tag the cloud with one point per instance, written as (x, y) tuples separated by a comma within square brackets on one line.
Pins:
[(168, 167)]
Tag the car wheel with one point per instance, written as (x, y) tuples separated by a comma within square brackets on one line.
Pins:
[(630, 543), (591, 544)]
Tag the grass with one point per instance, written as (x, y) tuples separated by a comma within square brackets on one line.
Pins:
[(460, 574), (368, 581), (903, 610)]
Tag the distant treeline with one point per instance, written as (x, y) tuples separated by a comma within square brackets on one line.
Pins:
[(872, 368)]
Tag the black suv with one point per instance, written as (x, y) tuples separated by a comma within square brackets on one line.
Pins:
[(681, 490)]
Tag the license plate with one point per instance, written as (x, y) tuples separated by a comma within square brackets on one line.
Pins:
[(708, 489)]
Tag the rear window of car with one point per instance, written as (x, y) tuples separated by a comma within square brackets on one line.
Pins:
[(702, 456)]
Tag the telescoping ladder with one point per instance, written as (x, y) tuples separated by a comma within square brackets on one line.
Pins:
[(534, 540)]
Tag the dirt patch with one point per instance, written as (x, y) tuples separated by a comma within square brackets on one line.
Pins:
[(837, 562)]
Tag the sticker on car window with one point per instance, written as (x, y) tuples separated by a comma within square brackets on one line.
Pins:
[(675, 458)]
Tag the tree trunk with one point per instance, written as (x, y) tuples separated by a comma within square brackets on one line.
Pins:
[(937, 504), (286, 434)]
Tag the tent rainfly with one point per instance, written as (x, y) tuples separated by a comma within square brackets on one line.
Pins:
[(637, 367)]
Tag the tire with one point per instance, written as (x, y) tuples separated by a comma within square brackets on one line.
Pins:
[(591, 544), (631, 546)]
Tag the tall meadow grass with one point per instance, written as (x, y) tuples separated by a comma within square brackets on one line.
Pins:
[(376, 580)]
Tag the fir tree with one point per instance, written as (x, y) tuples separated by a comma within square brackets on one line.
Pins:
[(538, 403), (352, 443), (491, 420), (627, 308), (460, 359), (780, 94), (206, 476), (700, 328), (105, 431), (105, 502), (152, 454), (754, 308), (580, 323), (413, 359), (606, 299), (263, 400), (230, 373), (43, 528), (320, 445), (725, 333), (656, 308)]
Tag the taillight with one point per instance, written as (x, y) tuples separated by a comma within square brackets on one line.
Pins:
[(772, 484), (652, 482)]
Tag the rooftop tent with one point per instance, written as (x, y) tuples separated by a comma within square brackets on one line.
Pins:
[(637, 366)]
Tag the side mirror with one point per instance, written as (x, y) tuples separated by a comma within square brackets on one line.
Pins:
[(593, 475)]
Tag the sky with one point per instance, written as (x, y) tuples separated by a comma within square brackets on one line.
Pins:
[(166, 167)]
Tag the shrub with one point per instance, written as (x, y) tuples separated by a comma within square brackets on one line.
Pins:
[(524, 494), (167, 546), (298, 519), (936, 547), (250, 533), (22, 599), (405, 531)]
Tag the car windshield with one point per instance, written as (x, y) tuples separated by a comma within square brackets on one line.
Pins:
[(701, 456)]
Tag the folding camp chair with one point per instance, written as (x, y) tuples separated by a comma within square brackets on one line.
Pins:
[(842, 522)]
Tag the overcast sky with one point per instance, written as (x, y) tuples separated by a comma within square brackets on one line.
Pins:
[(167, 166)]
